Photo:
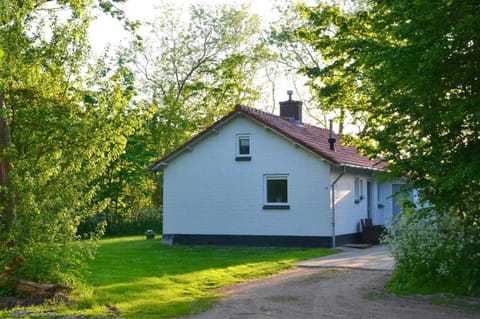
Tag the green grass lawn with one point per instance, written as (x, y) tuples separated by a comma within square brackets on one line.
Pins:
[(145, 279)]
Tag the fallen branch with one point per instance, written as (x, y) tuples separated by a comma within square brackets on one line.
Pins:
[(30, 288), (26, 287)]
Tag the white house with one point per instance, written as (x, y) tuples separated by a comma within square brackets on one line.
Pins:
[(254, 178)]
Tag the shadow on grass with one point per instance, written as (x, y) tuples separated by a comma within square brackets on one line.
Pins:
[(157, 259), (146, 279)]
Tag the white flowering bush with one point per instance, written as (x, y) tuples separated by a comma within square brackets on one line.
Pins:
[(434, 252)]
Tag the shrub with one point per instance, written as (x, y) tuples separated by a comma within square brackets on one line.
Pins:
[(135, 223), (433, 252)]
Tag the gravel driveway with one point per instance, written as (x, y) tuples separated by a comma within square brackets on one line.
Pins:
[(310, 292)]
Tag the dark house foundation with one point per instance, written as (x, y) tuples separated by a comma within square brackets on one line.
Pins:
[(261, 241)]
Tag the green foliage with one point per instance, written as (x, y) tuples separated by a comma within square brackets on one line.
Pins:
[(125, 186), (413, 70), (431, 254), (306, 54), (56, 263), (410, 68), (132, 222), (67, 121)]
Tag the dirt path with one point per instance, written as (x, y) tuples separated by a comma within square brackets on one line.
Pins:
[(326, 293)]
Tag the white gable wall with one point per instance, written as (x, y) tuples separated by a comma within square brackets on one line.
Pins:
[(207, 192)]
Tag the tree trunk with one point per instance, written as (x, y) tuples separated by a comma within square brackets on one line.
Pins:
[(7, 194)]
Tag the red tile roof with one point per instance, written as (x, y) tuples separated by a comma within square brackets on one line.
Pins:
[(310, 137)]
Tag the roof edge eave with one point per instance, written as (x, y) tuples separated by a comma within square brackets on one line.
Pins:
[(163, 162), (359, 167)]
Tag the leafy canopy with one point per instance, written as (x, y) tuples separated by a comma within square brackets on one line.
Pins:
[(412, 69)]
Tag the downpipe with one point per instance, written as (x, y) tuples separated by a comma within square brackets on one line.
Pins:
[(332, 187)]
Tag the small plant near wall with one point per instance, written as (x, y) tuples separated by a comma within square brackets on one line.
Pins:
[(150, 234)]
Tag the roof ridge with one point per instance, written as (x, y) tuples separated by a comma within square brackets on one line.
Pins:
[(312, 138), (242, 107), (252, 109)]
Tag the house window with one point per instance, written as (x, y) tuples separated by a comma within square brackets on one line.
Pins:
[(361, 190), (276, 192), (379, 196), (358, 189), (243, 148)]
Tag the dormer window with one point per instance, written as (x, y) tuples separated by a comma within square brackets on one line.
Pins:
[(243, 148)]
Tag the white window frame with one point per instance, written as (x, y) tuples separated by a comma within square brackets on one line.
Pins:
[(237, 147), (275, 205), (358, 190)]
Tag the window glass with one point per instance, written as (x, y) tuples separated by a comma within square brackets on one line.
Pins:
[(277, 189), (357, 188), (244, 145)]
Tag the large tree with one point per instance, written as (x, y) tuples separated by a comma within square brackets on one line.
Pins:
[(62, 122), (196, 64), (302, 59), (413, 67)]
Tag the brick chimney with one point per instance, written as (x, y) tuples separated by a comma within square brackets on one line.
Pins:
[(291, 110)]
